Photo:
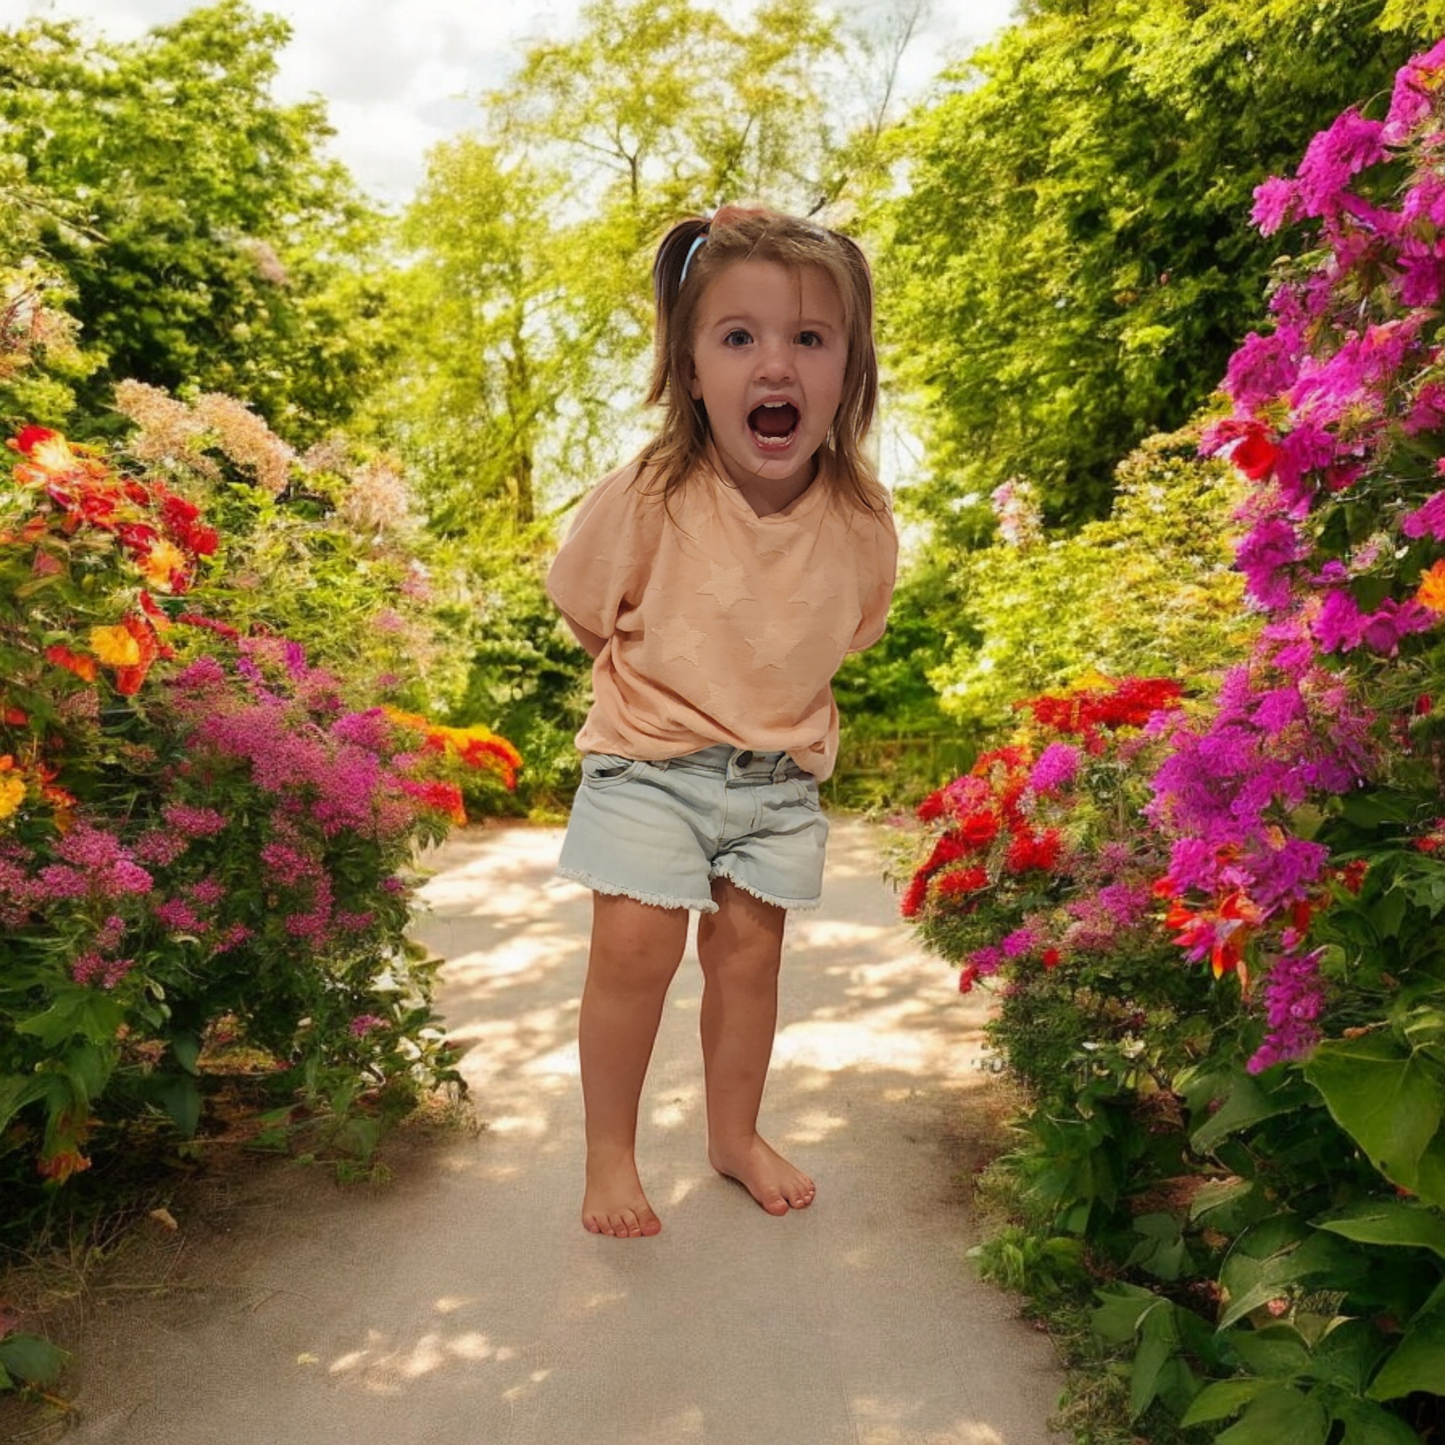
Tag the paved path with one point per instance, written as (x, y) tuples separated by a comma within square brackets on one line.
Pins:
[(463, 1304)]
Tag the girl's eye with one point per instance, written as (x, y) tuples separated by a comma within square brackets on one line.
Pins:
[(736, 337), (809, 338)]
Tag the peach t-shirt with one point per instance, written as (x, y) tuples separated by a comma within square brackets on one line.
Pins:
[(721, 626)]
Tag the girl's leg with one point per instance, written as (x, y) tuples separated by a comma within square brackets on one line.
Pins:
[(635, 952), (740, 948)]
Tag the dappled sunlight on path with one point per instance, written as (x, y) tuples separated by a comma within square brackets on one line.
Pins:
[(463, 1304)]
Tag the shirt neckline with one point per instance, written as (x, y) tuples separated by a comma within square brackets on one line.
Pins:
[(802, 504)]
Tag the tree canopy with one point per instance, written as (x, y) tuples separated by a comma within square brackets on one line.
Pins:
[(206, 237), (1071, 261)]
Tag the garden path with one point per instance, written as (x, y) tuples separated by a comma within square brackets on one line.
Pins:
[(463, 1304)]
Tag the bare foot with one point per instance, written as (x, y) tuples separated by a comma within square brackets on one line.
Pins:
[(615, 1204), (765, 1174)]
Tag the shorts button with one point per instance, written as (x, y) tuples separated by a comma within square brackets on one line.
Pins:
[(744, 759)]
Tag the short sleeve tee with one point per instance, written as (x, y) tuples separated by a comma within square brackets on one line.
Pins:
[(721, 626)]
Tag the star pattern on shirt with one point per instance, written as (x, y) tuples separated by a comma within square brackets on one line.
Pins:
[(678, 639), (816, 590), (727, 584), (771, 649)]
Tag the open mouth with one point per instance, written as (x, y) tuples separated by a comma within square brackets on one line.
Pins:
[(773, 423)]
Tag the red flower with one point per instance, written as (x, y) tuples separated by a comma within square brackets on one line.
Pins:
[(978, 830), (1033, 851), (1254, 454), (30, 437), (963, 880), (913, 898), (968, 976), (1051, 958)]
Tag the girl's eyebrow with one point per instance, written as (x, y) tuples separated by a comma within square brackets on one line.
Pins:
[(803, 322)]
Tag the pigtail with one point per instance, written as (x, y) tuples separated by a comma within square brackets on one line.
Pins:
[(668, 267), (671, 259)]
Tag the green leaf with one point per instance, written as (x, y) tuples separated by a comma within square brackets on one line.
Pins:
[(1280, 1416), (1417, 1362), (186, 1047), (31, 1359), (1277, 1253), (1389, 1101), (181, 1099), (1391, 1222), (1367, 1424), (1220, 1400), (1346, 1356), (1159, 1344), (1277, 1352), (87, 1012), (1248, 1103), (1121, 1308), (16, 1091)]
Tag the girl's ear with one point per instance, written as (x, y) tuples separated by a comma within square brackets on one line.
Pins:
[(694, 386)]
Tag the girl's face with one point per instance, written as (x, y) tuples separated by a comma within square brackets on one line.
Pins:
[(767, 361)]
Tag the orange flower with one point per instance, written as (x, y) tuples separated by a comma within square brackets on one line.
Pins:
[(77, 662), (163, 565), (1432, 588)]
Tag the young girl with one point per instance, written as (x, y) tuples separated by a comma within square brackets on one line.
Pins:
[(718, 581)]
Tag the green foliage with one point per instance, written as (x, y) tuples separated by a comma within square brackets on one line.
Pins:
[(1071, 262), (1147, 590), (205, 239)]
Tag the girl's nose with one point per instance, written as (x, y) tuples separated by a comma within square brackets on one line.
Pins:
[(775, 361)]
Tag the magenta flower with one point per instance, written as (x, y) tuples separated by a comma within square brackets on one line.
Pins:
[(1335, 155), (1056, 768), (1294, 999)]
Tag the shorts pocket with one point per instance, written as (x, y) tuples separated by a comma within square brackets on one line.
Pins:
[(606, 770), (806, 791)]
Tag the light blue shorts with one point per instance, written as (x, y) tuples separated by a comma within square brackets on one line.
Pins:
[(660, 832)]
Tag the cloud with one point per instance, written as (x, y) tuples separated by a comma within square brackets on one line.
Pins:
[(401, 75)]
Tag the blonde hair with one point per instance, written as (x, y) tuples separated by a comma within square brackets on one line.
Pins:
[(680, 276)]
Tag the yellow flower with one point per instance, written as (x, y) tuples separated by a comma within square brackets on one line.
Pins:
[(1432, 588), (12, 792), (163, 559), (114, 646)]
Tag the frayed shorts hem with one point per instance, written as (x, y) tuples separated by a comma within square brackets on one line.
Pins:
[(656, 900), (801, 905), (616, 890)]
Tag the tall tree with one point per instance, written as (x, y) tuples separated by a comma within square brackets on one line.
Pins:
[(1072, 260), (527, 307), (208, 239)]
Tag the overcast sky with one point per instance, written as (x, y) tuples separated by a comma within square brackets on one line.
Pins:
[(397, 75)]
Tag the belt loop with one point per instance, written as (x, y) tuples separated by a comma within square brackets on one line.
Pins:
[(780, 767)]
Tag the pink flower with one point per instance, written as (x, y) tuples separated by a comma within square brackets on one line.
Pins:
[(1276, 203), (1056, 768), (194, 822), (1334, 155), (1427, 520)]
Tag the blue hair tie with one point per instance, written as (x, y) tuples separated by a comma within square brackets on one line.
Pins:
[(691, 252)]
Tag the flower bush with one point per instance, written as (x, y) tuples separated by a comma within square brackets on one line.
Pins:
[(1270, 1222), (205, 830)]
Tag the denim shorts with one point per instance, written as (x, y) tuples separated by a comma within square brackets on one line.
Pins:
[(660, 832)]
